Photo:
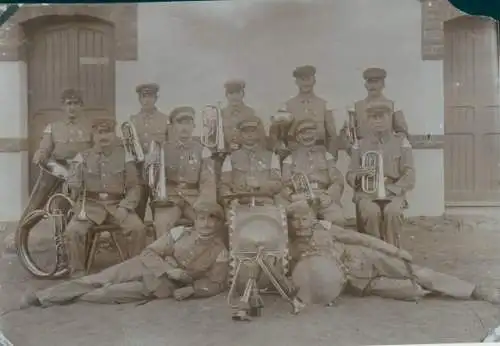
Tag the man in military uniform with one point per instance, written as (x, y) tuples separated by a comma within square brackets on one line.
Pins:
[(306, 105), (375, 83), (252, 168), (189, 172), (110, 192), (150, 125), (399, 172), (235, 111), (189, 262), (319, 166), (63, 139), (327, 260)]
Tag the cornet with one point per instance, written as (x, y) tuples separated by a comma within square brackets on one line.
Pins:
[(212, 130), (133, 148), (302, 186), (374, 181)]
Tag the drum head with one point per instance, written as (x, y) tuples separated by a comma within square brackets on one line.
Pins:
[(256, 227)]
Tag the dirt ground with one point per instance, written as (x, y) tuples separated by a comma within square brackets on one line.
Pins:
[(468, 250)]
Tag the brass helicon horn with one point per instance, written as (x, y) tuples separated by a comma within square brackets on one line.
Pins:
[(133, 148)]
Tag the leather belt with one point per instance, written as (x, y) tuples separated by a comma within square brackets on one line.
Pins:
[(105, 196), (319, 186), (320, 142), (184, 186)]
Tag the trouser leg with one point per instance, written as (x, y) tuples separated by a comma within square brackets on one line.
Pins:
[(143, 202), (442, 283), (393, 217), (370, 213), (74, 237), (135, 232), (120, 293)]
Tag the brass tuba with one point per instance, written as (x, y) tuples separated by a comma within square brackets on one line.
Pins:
[(374, 181), (212, 130), (155, 168), (133, 148)]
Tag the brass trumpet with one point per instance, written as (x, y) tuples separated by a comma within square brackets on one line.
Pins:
[(133, 148), (212, 130)]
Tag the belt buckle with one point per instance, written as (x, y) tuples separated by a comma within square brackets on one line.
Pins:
[(314, 185), (103, 195)]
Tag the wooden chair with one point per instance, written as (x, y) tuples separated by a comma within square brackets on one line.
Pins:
[(95, 242)]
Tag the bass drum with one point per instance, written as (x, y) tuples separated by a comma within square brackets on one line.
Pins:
[(36, 216), (251, 228)]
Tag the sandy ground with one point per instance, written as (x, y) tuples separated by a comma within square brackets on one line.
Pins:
[(468, 250)]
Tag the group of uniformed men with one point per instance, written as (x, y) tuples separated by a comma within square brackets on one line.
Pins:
[(187, 262)]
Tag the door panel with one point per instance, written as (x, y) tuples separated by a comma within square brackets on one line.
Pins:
[(472, 124), (70, 55)]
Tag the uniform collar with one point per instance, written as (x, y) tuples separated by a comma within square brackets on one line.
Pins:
[(183, 145), (149, 112), (306, 97), (73, 121), (100, 151), (383, 138)]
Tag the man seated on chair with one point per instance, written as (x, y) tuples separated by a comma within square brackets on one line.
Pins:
[(189, 172), (328, 260), (109, 193), (252, 168), (319, 166), (398, 167), (186, 262)]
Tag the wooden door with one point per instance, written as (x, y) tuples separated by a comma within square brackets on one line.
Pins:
[(71, 54), (472, 119)]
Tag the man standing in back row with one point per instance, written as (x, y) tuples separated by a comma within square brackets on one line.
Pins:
[(150, 124), (375, 83), (306, 105)]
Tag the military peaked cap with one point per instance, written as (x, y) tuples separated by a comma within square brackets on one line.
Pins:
[(104, 124), (298, 208), (211, 207), (182, 112), (234, 85), (303, 124), (147, 89), (304, 71), (374, 73), (71, 95)]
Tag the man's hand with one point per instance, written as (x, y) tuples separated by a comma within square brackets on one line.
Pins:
[(252, 182), (121, 214), (40, 157), (179, 275), (183, 293), (325, 199)]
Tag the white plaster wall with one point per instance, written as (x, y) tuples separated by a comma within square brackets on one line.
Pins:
[(191, 49), (13, 172)]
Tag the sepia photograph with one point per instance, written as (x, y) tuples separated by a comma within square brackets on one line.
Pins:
[(254, 172)]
